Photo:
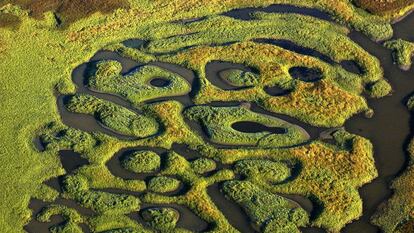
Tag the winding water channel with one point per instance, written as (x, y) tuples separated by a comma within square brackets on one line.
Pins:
[(388, 130)]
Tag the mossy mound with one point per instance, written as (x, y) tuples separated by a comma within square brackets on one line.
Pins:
[(239, 78), (114, 117), (203, 165), (77, 188), (142, 162), (263, 169), (136, 87), (403, 52), (268, 211), (380, 89), (163, 184), (161, 219)]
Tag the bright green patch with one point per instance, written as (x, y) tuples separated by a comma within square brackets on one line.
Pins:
[(203, 165), (162, 184), (136, 86), (161, 219), (268, 211), (142, 162)]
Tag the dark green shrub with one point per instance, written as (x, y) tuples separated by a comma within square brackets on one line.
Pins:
[(142, 162), (161, 219), (163, 184), (203, 165)]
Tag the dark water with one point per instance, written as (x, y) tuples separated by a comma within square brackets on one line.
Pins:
[(160, 82), (134, 43), (36, 206), (252, 127), (388, 130), (244, 13)]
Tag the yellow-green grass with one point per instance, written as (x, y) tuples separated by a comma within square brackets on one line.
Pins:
[(37, 59), (273, 63), (327, 173), (196, 44)]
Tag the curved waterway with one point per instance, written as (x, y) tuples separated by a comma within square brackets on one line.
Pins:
[(388, 130)]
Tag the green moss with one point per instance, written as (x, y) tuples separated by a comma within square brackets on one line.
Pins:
[(218, 122), (268, 211), (263, 169), (161, 219), (403, 51), (380, 89), (57, 137), (239, 78), (163, 184), (77, 188), (142, 162), (203, 165), (115, 224), (135, 87), (114, 116)]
